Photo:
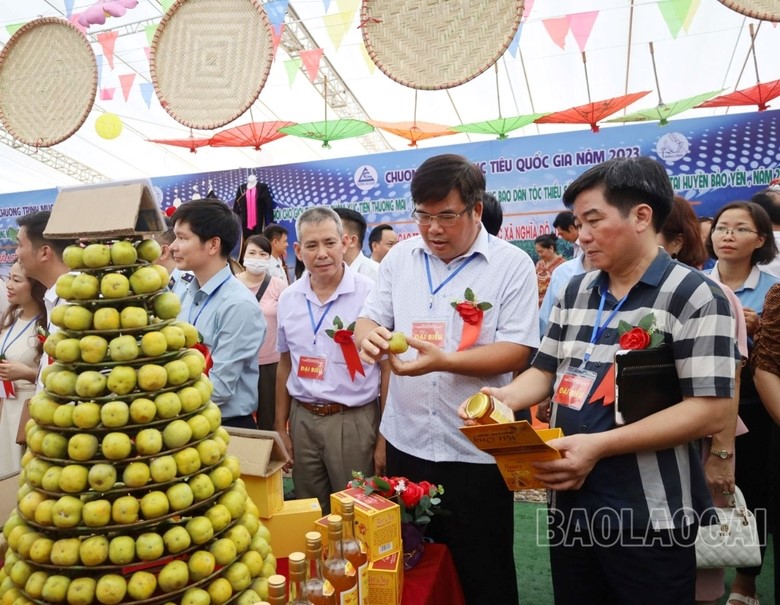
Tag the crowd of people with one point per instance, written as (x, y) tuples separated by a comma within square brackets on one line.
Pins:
[(305, 352)]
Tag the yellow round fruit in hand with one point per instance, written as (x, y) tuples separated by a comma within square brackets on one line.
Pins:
[(397, 343)]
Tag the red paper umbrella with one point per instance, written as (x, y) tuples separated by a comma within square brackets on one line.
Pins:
[(190, 143), (414, 131), (760, 94), (592, 113), (254, 134)]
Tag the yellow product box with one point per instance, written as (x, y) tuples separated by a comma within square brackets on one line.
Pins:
[(262, 456), (377, 521), (288, 527), (515, 446), (386, 580)]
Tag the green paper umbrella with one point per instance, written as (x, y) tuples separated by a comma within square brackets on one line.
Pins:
[(663, 111), (329, 130), (499, 126)]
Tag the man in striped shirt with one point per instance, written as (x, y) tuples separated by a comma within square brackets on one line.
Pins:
[(627, 500)]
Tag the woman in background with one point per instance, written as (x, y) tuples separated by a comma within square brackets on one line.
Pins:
[(681, 236), (20, 352), (549, 259), (256, 277)]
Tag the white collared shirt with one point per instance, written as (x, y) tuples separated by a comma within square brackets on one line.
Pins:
[(365, 266), (420, 416)]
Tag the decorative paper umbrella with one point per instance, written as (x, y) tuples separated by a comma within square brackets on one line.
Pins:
[(594, 111), (190, 143), (500, 126), (254, 134), (759, 95), (414, 131), (663, 111), (328, 130)]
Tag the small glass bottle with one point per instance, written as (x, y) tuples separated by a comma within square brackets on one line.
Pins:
[(297, 565), (317, 589), (277, 590), (355, 550), (336, 569), (485, 409)]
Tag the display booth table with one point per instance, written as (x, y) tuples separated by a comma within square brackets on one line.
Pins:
[(433, 581)]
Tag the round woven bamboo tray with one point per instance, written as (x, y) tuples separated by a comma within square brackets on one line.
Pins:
[(48, 80), (767, 10), (210, 60), (435, 44)]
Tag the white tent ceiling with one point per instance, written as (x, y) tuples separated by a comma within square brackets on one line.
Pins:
[(711, 52)]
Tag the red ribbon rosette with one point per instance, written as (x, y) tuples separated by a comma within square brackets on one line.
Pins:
[(207, 354), (472, 313), (344, 337)]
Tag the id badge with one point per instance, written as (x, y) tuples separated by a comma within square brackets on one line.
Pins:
[(430, 331), (573, 388), (312, 367)]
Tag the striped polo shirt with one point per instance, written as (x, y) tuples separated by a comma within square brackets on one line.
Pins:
[(663, 488)]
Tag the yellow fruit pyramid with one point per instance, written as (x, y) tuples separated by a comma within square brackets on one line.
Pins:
[(127, 494)]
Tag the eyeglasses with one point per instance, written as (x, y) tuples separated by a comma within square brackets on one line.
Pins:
[(737, 232), (445, 219)]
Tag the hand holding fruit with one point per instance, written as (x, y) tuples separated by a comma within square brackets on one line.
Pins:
[(430, 358), (375, 344)]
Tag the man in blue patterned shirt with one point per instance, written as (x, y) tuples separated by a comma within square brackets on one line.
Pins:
[(627, 500)]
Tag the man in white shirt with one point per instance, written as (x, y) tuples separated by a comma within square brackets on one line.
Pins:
[(355, 228), (769, 200), (381, 239), (566, 228), (277, 235), (41, 259), (421, 282)]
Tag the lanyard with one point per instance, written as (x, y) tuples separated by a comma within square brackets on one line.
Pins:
[(205, 303), (451, 276), (316, 327), (598, 327), (5, 346)]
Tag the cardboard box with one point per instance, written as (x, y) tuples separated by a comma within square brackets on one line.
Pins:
[(105, 210), (377, 521), (515, 446), (386, 580), (288, 527), (262, 456)]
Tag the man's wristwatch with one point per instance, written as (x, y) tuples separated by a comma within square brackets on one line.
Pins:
[(722, 454)]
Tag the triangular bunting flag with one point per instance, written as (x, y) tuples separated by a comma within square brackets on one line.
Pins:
[(147, 88), (311, 62), (13, 28), (107, 94), (148, 52), (348, 6), (69, 8), (691, 14), (581, 24), (557, 29), (99, 62), (166, 4), (107, 41), (126, 82), (292, 66), (514, 45), (371, 65), (529, 4), (276, 37), (326, 5), (149, 31), (276, 11), (337, 26), (675, 13)]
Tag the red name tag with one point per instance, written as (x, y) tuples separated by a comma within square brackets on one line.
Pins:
[(312, 367), (430, 331), (574, 387)]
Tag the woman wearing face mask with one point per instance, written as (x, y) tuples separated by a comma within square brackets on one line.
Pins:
[(257, 259)]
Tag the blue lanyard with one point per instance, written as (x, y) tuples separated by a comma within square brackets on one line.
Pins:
[(451, 276), (206, 302), (316, 327), (598, 327), (5, 346)]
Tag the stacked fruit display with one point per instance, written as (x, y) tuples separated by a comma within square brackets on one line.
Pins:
[(127, 494)]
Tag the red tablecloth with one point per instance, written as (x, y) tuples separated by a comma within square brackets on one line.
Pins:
[(432, 582)]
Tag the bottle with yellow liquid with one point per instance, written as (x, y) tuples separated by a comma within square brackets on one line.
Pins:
[(297, 564), (317, 589), (485, 409), (277, 590), (355, 550), (336, 569)]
